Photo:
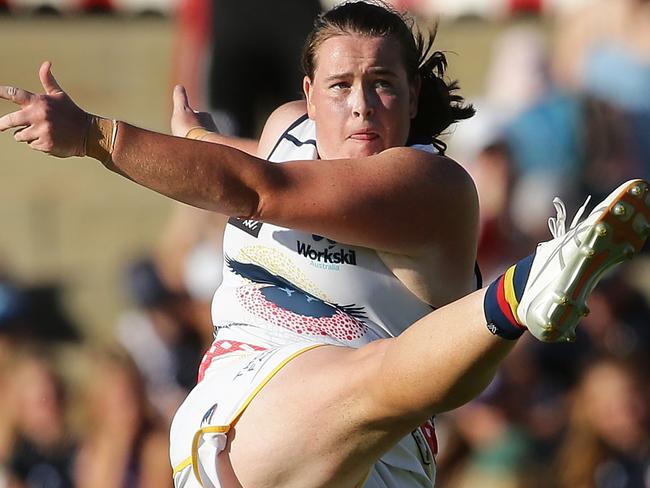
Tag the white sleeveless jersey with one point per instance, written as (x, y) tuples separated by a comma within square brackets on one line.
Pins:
[(281, 285)]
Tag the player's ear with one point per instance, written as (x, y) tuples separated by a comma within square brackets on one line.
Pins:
[(307, 88)]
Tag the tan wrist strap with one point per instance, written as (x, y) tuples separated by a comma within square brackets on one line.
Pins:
[(197, 133), (100, 138)]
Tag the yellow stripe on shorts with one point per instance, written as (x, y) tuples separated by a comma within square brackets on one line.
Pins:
[(182, 465)]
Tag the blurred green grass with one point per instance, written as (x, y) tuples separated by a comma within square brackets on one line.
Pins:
[(71, 220)]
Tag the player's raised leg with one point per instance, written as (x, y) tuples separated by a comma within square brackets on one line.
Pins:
[(442, 361)]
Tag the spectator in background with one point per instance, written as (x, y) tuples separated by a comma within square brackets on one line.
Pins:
[(523, 133), (10, 308), (534, 139), (607, 443), (509, 435), (161, 336), (126, 444), (540, 124), (43, 452), (604, 49), (603, 52), (190, 258), (32, 321), (498, 450), (495, 174)]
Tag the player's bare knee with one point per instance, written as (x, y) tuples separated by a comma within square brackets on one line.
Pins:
[(377, 385)]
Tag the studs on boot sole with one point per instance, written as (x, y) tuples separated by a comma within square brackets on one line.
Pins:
[(623, 210), (641, 225), (561, 299), (601, 230), (570, 338), (639, 189), (588, 252), (548, 328), (628, 251)]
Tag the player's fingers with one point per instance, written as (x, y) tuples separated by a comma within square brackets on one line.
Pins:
[(13, 119), (48, 81), (26, 134), (181, 101), (16, 95)]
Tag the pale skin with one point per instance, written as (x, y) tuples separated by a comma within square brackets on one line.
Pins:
[(417, 210)]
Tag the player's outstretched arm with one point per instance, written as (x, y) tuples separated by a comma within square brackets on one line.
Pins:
[(358, 201), (52, 123)]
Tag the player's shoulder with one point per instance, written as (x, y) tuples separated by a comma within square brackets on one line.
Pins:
[(278, 122), (430, 166), (419, 155), (288, 112)]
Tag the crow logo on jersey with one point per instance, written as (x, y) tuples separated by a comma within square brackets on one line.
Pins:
[(285, 304)]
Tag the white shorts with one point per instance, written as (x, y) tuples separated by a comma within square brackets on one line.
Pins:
[(229, 384), (199, 428)]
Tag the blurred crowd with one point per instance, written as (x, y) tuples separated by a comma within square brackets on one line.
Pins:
[(566, 114), (75, 413)]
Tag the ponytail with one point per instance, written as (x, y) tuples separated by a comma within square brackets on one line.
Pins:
[(438, 104)]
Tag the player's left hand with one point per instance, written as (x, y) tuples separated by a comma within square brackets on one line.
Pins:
[(184, 117), (49, 122)]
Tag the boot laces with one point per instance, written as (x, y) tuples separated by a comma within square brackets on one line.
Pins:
[(557, 225)]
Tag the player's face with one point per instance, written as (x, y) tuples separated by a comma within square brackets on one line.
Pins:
[(360, 97)]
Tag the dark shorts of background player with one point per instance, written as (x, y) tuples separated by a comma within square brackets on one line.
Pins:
[(255, 59)]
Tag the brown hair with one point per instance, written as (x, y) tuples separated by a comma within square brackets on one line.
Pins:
[(438, 105)]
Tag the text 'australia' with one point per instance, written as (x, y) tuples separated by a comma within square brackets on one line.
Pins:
[(327, 256)]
